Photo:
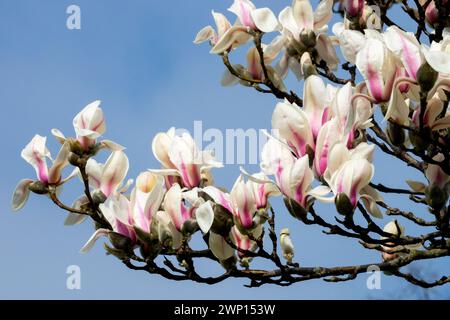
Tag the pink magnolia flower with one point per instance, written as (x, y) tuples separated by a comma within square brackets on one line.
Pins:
[(182, 205), (209, 34), (350, 172), (117, 210), (257, 19), (406, 47), (181, 158), (293, 125), (146, 197), (378, 66), (37, 154), (89, 125), (108, 177), (249, 17), (243, 202), (293, 176)]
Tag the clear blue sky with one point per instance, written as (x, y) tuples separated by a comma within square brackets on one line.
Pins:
[(138, 58)]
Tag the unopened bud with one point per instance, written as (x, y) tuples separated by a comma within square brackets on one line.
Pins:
[(426, 77), (38, 187)]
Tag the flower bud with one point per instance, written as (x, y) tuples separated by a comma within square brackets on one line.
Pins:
[(38, 187), (426, 77), (343, 204)]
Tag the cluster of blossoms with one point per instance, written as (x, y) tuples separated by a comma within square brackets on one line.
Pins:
[(319, 151)]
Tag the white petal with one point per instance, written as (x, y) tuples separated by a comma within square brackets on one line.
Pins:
[(207, 33), (90, 243), (205, 216), (219, 247), (21, 194), (265, 20)]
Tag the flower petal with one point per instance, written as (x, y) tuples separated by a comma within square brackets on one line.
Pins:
[(205, 216), (21, 194), (265, 20)]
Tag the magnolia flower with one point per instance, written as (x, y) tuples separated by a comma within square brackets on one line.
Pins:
[(209, 34), (287, 247), (108, 177), (257, 19), (406, 47), (36, 154), (146, 199), (89, 125), (293, 125), (303, 28), (181, 158), (350, 173), (243, 203), (353, 113), (377, 64), (292, 176), (117, 210), (249, 18), (186, 205), (261, 191)]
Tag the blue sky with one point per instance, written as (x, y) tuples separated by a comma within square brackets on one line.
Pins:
[(138, 58)]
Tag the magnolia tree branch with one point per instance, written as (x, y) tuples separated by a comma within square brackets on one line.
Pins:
[(329, 135)]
